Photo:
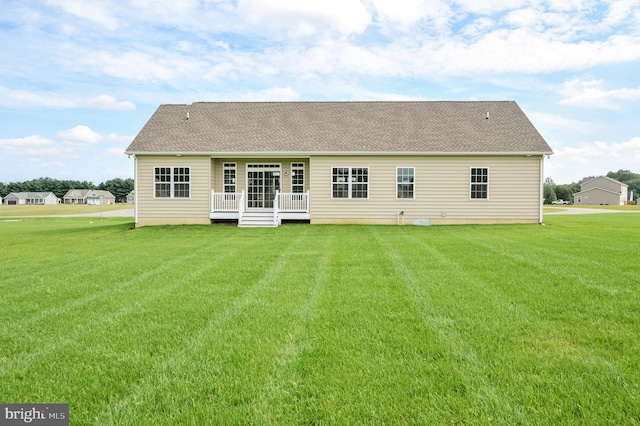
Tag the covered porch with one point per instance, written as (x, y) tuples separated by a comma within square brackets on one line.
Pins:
[(269, 212)]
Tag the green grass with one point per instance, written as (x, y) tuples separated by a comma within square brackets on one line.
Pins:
[(517, 324), (58, 209), (632, 207), (553, 209)]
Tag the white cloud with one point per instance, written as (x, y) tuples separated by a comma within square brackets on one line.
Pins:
[(620, 10), (95, 11), (408, 12), (571, 163), (25, 99), (29, 145), (488, 7), (110, 103), (297, 17), (114, 151), (33, 155), (273, 94), (590, 93), (80, 133), (577, 126), (615, 155)]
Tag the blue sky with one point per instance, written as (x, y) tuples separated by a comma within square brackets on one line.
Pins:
[(79, 78)]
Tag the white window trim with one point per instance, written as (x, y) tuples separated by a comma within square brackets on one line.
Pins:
[(488, 181), (350, 182), (299, 166), (230, 166), (171, 183), (413, 183)]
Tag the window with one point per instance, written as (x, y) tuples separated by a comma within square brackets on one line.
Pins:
[(229, 178), (350, 182), (479, 183), (297, 178), (172, 182), (405, 182)]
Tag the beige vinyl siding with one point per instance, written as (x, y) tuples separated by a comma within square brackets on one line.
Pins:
[(441, 190), (601, 182), (194, 210), (596, 196)]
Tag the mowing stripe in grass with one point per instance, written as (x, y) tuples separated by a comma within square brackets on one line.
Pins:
[(531, 297), (72, 334), (284, 382), (471, 379), (146, 391)]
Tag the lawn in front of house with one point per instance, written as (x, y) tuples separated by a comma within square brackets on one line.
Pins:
[(514, 324)]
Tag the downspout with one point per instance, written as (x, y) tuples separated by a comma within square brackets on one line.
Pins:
[(135, 189)]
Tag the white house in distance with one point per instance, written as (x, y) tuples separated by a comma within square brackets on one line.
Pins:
[(262, 163), (31, 198), (89, 196), (602, 190)]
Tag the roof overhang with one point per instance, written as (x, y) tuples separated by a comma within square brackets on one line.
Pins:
[(336, 153)]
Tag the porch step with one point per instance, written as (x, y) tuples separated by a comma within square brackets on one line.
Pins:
[(257, 219)]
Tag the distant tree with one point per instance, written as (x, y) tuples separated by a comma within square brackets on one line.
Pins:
[(120, 188), (549, 191), (564, 192), (554, 192)]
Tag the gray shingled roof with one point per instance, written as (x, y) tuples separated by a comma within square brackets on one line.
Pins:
[(339, 127)]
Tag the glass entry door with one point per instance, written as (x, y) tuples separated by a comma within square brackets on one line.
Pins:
[(263, 180)]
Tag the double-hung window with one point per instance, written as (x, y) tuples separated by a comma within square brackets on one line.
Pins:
[(229, 171), (297, 178), (350, 182), (405, 181), (172, 182), (479, 183)]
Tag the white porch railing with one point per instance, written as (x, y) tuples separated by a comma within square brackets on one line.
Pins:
[(288, 202), (231, 205), (227, 201)]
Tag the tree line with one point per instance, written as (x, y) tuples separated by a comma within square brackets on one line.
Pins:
[(118, 187), (553, 192)]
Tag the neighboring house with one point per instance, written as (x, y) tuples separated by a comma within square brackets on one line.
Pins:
[(260, 163), (131, 197), (601, 190), (29, 198), (88, 196)]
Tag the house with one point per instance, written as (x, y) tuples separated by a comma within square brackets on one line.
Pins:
[(89, 196), (131, 197), (601, 190), (261, 163), (31, 198)]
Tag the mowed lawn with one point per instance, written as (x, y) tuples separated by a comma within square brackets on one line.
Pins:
[(517, 324)]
